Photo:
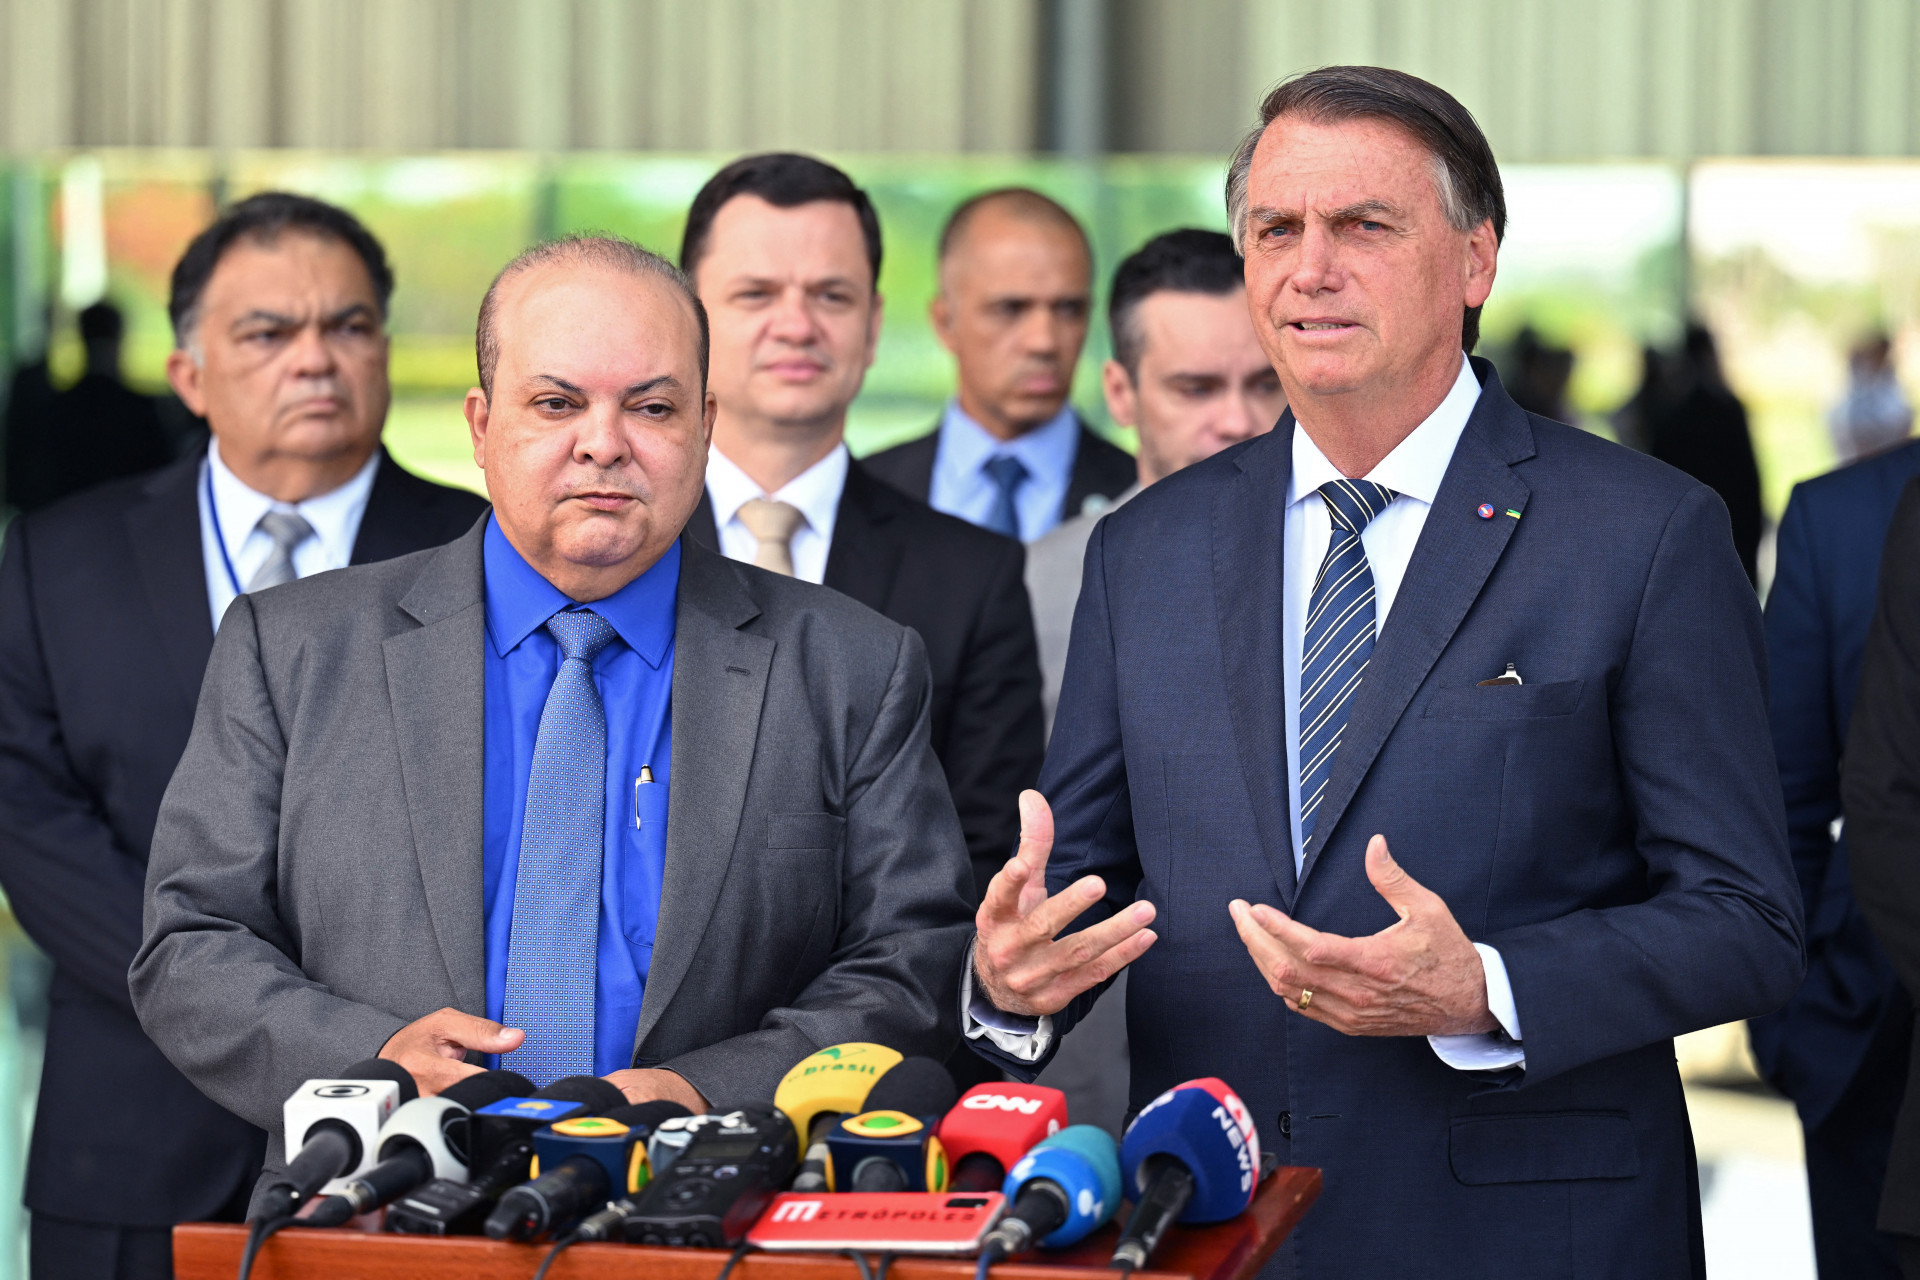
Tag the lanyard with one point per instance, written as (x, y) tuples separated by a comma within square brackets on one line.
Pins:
[(219, 537)]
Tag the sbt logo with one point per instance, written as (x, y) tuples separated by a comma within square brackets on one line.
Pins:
[(797, 1211), (1000, 1102)]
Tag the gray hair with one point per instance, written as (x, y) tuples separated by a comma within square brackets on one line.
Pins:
[(614, 253), (1465, 176)]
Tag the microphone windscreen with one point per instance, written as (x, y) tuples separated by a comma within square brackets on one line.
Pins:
[(1003, 1121), (833, 1081), (597, 1095), (1097, 1147), (487, 1087), (1083, 1162), (381, 1069), (1205, 1126), (647, 1116), (917, 1086)]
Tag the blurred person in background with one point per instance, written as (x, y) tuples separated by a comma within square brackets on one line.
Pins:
[(1647, 401), (1188, 375), (1541, 372), (1840, 1048), (785, 253), (1016, 296), (1880, 794), (1874, 415), (98, 429), (1701, 428), (108, 605), (28, 405)]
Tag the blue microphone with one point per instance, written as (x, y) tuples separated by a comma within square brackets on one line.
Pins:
[(1062, 1191), (1191, 1155)]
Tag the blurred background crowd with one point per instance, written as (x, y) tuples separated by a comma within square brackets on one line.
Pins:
[(1713, 255)]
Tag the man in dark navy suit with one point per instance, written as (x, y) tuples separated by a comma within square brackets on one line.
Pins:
[(1840, 1048), (1414, 616), (108, 603)]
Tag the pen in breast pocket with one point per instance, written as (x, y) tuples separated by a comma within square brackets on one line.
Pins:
[(644, 780), (1509, 676)]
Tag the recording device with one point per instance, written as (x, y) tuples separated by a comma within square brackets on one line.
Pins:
[(823, 1087), (892, 1145), (1191, 1155), (425, 1139), (711, 1195), (908, 1222), (1062, 1191), (336, 1123), (992, 1126), (579, 1165), (501, 1136)]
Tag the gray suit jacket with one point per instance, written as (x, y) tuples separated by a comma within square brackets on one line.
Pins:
[(315, 882), (1053, 584)]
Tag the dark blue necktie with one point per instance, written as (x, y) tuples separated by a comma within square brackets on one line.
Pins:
[(1339, 636), (1008, 473), (556, 892)]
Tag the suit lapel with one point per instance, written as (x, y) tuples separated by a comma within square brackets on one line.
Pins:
[(1249, 517), (863, 561), (436, 684), (171, 562), (1451, 562), (719, 684)]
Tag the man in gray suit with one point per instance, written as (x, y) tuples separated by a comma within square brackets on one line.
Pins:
[(680, 838), (1189, 376)]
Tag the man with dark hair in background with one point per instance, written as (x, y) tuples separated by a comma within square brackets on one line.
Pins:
[(1701, 428), (1016, 296), (1189, 376), (108, 605), (96, 430), (785, 252)]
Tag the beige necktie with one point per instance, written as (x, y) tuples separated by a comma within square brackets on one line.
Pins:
[(773, 524)]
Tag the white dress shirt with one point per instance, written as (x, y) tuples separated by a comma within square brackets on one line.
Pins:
[(1413, 471), (234, 547), (815, 492), (961, 486)]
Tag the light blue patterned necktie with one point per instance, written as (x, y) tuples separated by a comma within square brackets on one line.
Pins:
[(556, 892), (1008, 473), (1339, 637)]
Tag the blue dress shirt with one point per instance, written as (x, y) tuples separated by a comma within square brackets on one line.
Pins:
[(635, 678), (961, 486)]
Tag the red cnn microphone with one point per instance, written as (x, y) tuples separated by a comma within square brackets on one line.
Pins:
[(992, 1126)]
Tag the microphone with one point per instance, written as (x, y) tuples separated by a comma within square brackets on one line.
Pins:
[(1062, 1191), (1192, 1155), (337, 1124), (581, 1164), (993, 1126), (427, 1138), (820, 1089), (501, 1138), (891, 1145)]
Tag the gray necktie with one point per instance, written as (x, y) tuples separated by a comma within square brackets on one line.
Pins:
[(288, 530)]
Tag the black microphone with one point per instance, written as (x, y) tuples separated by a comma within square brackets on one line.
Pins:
[(426, 1138), (890, 1145), (337, 1122), (605, 1158), (501, 1141)]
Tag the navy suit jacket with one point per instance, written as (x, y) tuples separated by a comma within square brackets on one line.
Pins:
[(1825, 583), (1613, 826)]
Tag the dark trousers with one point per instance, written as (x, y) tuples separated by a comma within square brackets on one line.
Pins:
[(1847, 1167), (61, 1249)]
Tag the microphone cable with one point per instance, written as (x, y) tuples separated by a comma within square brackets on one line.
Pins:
[(560, 1246), (257, 1234)]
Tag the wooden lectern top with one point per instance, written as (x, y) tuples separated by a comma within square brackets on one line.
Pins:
[(1232, 1250)]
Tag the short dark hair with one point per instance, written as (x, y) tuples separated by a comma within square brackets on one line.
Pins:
[(1021, 202), (263, 219), (1464, 171), (601, 250), (1188, 260), (102, 322), (785, 180)]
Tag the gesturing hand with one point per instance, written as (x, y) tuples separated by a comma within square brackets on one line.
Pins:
[(1015, 958), (1417, 977), (432, 1048)]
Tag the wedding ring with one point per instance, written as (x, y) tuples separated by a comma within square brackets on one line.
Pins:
[(1306, 997)]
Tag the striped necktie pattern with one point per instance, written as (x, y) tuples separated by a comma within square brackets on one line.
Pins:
[(1339, 636)]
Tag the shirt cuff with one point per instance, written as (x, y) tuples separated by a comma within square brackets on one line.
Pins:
[(1020, 1036), (1495, 1050)]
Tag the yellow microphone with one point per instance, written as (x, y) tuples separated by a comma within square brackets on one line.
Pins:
[(823, 1087)]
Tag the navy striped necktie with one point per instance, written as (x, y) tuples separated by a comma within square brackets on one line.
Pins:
[(1339, 636)]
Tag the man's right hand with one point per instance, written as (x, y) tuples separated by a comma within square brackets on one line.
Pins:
[(1015, 958), (432, 1048)]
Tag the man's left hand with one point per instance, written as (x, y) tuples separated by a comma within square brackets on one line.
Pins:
[(651, 1084), (1418, 977)]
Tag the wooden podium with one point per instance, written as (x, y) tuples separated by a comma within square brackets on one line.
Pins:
[(1227, 1251)]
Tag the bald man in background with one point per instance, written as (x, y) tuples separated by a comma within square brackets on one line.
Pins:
[(1010, 454)]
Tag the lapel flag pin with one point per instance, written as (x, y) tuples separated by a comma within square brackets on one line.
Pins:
[(1513, 513), (1486, 511)]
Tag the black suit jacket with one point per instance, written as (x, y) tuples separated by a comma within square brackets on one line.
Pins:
[(963, 590), (105, 631), (1100, 469)]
